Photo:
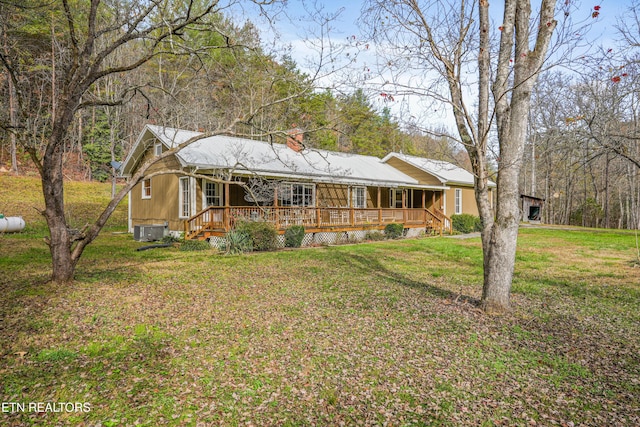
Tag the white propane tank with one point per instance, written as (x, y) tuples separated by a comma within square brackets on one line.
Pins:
[(11, 224)]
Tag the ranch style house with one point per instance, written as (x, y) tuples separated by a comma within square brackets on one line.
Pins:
[(203, 189)]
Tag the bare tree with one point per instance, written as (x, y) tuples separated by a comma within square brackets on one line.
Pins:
[(106, 40), (586, 134), (437, 46), (93, 41), (629, 30)]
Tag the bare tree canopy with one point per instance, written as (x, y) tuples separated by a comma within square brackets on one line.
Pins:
[(72, 49), (444, 46)]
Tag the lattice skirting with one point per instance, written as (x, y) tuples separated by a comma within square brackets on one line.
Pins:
[(216, 242), (327, 237)]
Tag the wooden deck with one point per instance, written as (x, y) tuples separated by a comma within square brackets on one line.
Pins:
[(217, 221)]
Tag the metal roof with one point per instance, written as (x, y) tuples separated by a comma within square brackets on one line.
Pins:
[(446, 172), (250, 157)]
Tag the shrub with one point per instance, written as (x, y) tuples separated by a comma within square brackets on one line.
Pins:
[(170, 239), (374, 235), (465, 223), (263, 235), (236, 242), (293, 236), (195, 245), (393, 231)]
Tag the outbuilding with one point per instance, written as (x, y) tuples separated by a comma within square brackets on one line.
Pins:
[(531, 208)]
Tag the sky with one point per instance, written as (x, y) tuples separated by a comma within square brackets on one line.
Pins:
[(293, 27), (349, 11)]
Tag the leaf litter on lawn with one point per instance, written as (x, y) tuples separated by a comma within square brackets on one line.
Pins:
[(385, 333)]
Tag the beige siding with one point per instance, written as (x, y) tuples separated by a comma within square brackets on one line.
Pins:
[(199, 187), (423, 177), (164, 202), (236, 196), (161, 207), (468, 201), (372, 197), (469, 204)]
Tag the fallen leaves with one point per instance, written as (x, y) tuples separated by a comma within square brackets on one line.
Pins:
[(337, 336)]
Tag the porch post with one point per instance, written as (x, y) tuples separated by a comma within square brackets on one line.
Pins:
[(443, 201), (276, 217), (351, 215), (227, 211), (318, 217), (379, 206), (404, 205), (424, 206)]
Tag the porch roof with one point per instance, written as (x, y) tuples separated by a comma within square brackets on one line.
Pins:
[(249, 157)]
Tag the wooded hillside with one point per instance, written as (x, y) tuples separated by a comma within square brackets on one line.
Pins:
[(583, 153)]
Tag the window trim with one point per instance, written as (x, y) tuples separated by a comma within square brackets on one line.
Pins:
[(218, 187), (288, 187), (157, 146), (457, 206), (355, 197), (146, 194), (181, 197)]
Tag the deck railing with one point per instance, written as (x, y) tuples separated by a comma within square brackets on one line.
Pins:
[(444, 219), (222, 219)]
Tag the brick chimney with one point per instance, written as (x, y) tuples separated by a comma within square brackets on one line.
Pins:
[(295, 139)]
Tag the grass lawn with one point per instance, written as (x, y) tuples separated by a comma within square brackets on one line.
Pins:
[(370, 334)]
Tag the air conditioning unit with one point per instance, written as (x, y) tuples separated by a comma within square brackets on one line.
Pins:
[(149, 233)]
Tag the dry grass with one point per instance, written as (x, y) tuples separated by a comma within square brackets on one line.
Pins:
[(22, 196)]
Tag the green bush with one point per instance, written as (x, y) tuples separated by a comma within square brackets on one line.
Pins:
[(195, 245), (293, 236), (394, 231), (236, 242), (465, 223), (170, 239), (263, 235)]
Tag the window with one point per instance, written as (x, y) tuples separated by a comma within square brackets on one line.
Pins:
[(185, 197), (146, 188), (157, 149), (396, 198), (212, 194), (359, 197), (458, 200), (293, 194)]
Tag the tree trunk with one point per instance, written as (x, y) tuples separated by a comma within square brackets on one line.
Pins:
[(60, 240), (500, 247), (12, 112), (606, 193), (500, 252), (13, 122), (512, 119)]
